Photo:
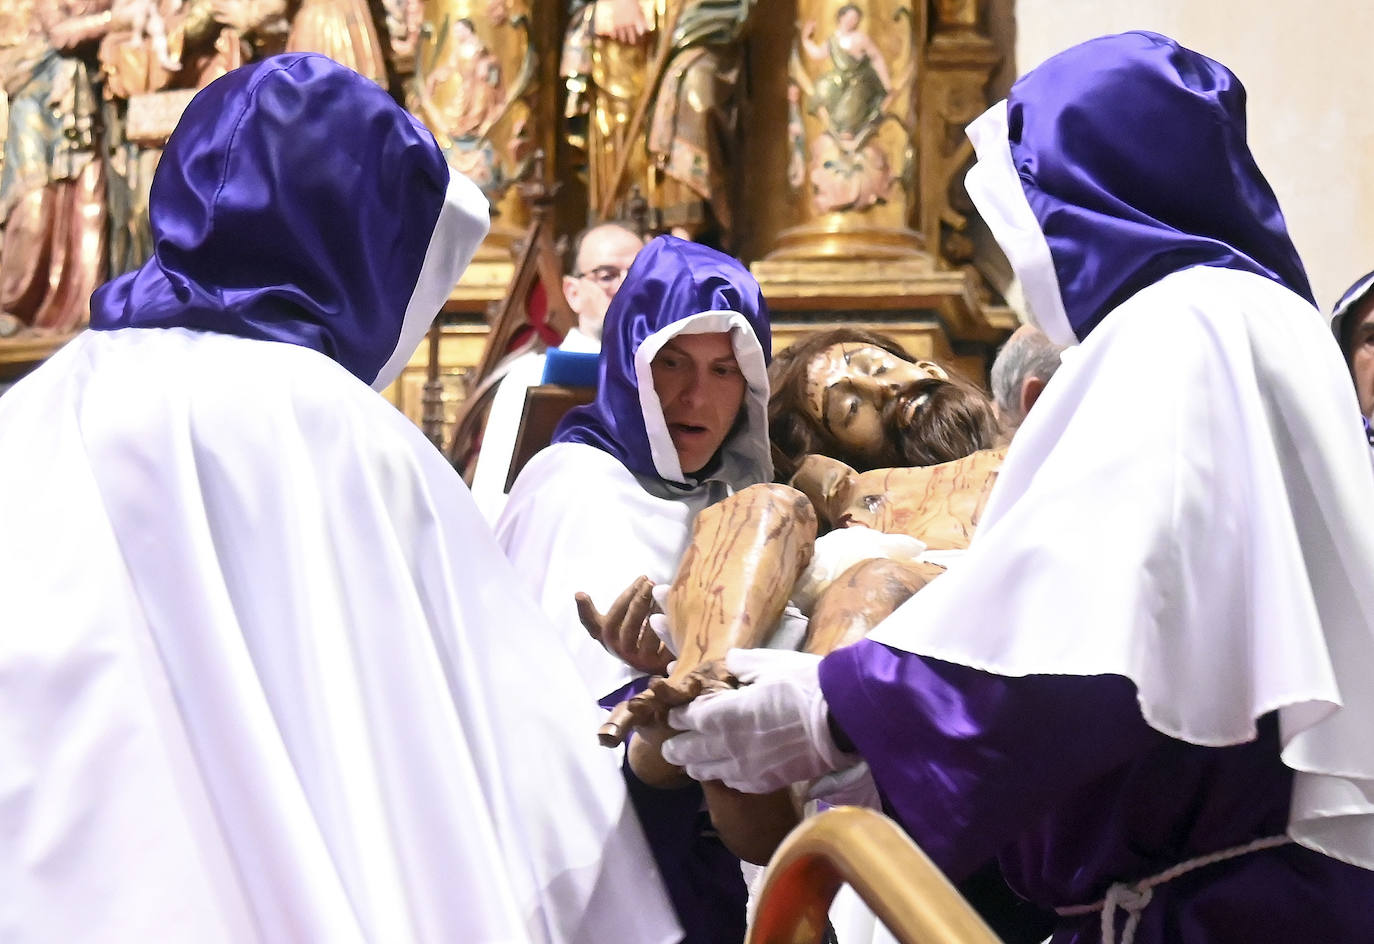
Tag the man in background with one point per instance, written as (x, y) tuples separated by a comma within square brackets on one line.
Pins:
[(1023, 366), (597, 262)]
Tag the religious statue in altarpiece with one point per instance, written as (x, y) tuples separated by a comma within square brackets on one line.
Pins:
[(653, 101), (52, 186)]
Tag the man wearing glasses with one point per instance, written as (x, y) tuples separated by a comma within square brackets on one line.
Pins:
[(597, 261)]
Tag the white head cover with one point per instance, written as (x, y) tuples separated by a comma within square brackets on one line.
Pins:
[(1187, 506)]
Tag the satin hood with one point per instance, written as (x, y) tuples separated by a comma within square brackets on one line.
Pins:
[(677, 287), (297, 202), (1116, 163)]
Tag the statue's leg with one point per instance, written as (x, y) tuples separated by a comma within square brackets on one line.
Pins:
[(78, 250), (862, 597), (744, 557), (25, 253)]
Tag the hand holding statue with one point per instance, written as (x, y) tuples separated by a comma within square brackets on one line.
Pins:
[(767, 735)]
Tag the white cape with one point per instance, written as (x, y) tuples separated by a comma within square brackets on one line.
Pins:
[(1190, 506), (264, 675), (579, 521)]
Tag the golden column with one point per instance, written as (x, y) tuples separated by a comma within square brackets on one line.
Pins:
[(868, 225), (852, 165)]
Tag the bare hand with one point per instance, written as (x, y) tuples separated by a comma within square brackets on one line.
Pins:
[(624, 629), (232, 13), (627, 24)]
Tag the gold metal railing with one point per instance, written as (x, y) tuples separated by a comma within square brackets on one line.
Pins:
[(864, 849)]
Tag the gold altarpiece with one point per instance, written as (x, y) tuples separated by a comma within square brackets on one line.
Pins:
[(840, 186)]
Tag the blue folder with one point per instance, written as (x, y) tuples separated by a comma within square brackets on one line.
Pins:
[(570, 368)]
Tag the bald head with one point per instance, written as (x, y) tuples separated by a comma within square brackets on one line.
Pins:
[(1022, 369), (598, 260)]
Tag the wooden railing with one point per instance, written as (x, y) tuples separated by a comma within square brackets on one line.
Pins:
[(866, 850)]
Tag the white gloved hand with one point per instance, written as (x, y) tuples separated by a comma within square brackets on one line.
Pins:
[(853, 786), (764, 736)]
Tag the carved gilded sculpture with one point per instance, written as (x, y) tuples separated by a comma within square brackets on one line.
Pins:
[(344, 31), (652, 101), (851, 130), (144, 96), (52, 186), (475, 69)]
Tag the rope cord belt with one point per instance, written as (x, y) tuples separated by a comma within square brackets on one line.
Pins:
[(1132, 897)]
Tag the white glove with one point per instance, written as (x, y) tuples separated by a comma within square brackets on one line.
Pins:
[(851, 787), (762, 737)]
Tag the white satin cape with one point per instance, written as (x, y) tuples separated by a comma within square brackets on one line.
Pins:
[(264, 675), (1190, 506)]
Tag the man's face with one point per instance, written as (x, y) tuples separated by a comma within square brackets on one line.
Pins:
[(1360, 353), (847, 386), (602, 260), (701, 388)]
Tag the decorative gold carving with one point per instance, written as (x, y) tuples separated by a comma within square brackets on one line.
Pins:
[(475, 73), (152, 115), (959, 61), (860, 285), (460, 347), (851, 160), (20, 355), (653, 103), (52, 192)]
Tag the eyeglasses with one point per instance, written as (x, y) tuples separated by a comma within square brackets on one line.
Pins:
[(607, 276)]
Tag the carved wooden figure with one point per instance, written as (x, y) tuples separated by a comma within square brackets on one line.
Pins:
[(938, 504), (861, 598), (746, 553)]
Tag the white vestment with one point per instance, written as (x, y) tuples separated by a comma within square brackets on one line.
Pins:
[(503, 422), (1223, 594), (577, 520), (264, 675)]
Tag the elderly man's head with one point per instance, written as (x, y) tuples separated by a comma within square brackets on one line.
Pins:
[(1353, 322), (597, 262), (1024, 365)]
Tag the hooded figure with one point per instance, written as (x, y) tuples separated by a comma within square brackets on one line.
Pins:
[(1351, 314), (1146, 687), (250, 665), (609, 501)]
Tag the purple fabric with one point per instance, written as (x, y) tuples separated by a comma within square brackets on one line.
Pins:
[(279, 220), (1355, 295), (701, 875), (1131, 150), (1062, 779), (671, 279)]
